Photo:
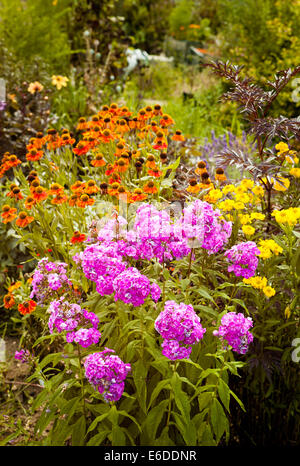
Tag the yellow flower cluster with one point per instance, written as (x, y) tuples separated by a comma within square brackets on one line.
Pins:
[(268, 247), (289, 216), (260, 283)]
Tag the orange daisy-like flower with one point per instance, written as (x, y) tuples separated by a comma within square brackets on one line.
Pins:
[(29, 202), (84, 201), (34, 87), (166, 120), (59, 199), (122, 126), (33, 155), (73, 199), (160, 144), (150, 162), (155, 172), (39, 194), (9, 301), (55, 189), (13, 160), (109, 169), (82, 124), (107, 136), (8, 213), (98, 161), (150, 188), (91, 187), (23, 220), (137, 196), (82, 148), (133, 123), (220, 175), (66, 139), (77, 237), (121, 165), (113, 190), (201, 167), (78, 186), (157, 110), (27, 307), (193, 187), (15, 192), (178, 136)]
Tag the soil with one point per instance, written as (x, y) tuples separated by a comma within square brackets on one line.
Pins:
[(17, 421)]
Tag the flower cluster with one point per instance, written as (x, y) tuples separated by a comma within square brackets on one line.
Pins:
[(66, 316), (243, 258), (103, 264), (22, 355), (205, 226), (234, 329), (49, 279), (180, 328), (106, 372)]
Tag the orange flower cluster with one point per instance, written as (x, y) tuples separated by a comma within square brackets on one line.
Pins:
[(8, 161), (128, 151), (205, 183)]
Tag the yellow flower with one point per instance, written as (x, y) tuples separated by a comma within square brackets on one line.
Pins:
[(244, 219), (213, 196), (258, 191), (289, 216), (281, 147), (257, 282), (227, 205), (267, 247), (14, 287), (257, 216), (295, 172), (35, 87), (59, 81), (248, 230), (229, 188), (239, 205), (281, 183), (247, 183), (269, 291)]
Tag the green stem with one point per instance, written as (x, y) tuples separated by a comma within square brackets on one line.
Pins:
[(81, 380)]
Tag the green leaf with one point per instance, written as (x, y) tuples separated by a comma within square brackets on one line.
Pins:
[(78, 432), (181, 399), (186, 428), (97, 439), (153, 419), (224, 393), (118, 437), (218, 419), (159, 387), (139, 376)]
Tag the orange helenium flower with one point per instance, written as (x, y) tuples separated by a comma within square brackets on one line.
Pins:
[(9, 301), (8, 213), (23, 220), (77, 237), (27, 307)]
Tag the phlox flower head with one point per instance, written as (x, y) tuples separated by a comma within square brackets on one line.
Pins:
[(49, 278), (132, 287), (179, 326), (107, 373), (22, 355), (234, 330), (79, 324), (244, 259)]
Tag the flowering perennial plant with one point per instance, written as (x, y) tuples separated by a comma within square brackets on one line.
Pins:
[(106, 372)]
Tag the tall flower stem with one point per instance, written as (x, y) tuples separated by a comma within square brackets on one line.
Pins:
[(81, 380)]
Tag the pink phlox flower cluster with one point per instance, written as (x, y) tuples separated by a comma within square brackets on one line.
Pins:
[(244, 259), (22, 355), (101, 263), (234, 329), (81, 326), (106, 372), (203, 226), (133, 288), (49, 277), (179, 325)]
